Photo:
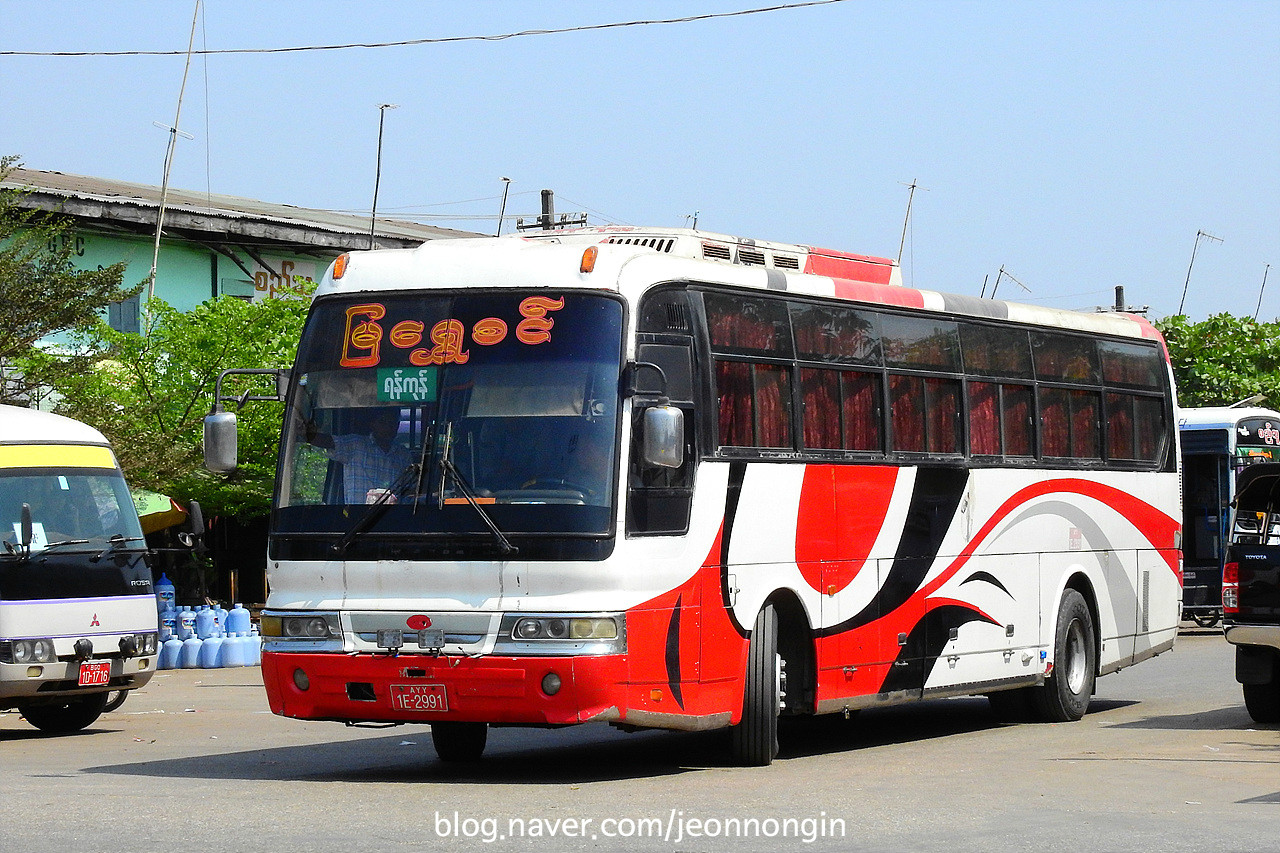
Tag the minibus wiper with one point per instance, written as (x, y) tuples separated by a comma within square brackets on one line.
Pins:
[(116, 543), (447, 470)]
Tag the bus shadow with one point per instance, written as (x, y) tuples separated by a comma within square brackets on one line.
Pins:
[(598, 753), (564, 756)]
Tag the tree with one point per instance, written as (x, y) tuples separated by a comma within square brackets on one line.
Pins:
[(41, 291), (149, 393), (1224, 359)]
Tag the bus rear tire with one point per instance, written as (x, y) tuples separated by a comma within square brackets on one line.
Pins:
[(1064, 696), (1262, 701), (754, 741), (69, 715), (459, 742)]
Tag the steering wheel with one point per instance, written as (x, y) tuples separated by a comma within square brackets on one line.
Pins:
[(557, 483)]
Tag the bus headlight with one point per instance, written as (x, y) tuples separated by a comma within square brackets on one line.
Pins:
[(301, 626), (561, 634)]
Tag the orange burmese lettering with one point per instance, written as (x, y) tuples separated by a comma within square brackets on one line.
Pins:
[(447, 336), (489, 331), (536, 327), (363, 333), (407, 334)]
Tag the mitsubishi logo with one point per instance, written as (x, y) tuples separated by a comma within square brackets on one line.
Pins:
[(94, 623)]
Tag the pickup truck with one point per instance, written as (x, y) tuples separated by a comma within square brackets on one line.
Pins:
[(1251, 590)]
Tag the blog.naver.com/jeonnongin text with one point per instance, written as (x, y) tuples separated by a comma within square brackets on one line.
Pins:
[(673, 827)]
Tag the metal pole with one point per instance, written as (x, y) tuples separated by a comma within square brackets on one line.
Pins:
[(1265, 270), (377, 177), (1199, 236), (506, 187), (168, 164)]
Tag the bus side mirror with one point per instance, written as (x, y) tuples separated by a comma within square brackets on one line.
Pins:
[(664, 436), (193, 536), (220, 442)]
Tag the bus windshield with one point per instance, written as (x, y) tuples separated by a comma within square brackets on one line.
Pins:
[(444, 414)]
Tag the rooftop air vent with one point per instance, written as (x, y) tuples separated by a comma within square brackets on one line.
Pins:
[(786, 262), (750, 257), (659, 244), (716, 251)]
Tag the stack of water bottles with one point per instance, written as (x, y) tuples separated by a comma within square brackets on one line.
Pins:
[(206, 636)]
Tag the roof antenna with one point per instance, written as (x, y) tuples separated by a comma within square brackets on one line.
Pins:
[(506, 187), (1265, 270), (1199, 236), (377, 175)]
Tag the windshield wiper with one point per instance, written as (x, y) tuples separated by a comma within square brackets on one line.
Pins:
[(378, 508), (116, 543), (447, 470)]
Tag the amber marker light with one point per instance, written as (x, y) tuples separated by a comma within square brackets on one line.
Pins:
[(340, 266), (589, 259)]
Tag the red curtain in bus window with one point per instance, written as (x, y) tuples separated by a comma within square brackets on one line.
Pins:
[(1053, 422), (773, 405), (1120, 426), (906, 407), (1148, 416), (984, 419), (943, 398), (733, 383), (861, 410), (1086, 426), (1019, 435), (821, 392)]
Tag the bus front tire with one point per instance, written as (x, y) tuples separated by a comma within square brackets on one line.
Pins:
[(755, 738), (1064, 697), (459, 742), (70, 715)]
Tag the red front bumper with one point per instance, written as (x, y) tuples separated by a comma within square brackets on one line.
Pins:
[(358, 688)]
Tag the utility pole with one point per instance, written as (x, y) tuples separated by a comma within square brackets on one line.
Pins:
[(377, 175), (168, 164), (1200, 235)]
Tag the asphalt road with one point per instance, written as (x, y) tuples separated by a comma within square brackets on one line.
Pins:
[(1167, 759)]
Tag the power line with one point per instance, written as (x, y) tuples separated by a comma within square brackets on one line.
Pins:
[(442, 40)]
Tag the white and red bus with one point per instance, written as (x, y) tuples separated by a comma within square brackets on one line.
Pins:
[(665, 478)]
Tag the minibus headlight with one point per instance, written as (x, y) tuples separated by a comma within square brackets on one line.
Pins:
[(27, 651)]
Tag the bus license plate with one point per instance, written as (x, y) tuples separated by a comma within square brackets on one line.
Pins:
[(95, 673), (419, 697)]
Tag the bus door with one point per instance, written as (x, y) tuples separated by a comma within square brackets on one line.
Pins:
[(1206, 492)]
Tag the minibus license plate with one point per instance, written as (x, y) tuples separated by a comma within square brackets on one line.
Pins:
[(95, 673), (419, 697)]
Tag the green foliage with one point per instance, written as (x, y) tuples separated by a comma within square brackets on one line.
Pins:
[(149, 394), (1224, 359), (41, 291)]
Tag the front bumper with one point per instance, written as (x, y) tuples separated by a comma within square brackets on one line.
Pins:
[(502, 690), (21, 683)]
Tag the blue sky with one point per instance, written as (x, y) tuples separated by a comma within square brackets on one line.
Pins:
[(1080, 146)]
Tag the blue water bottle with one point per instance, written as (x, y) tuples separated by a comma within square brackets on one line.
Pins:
[(186, 623), (238, 620), (165, 591)]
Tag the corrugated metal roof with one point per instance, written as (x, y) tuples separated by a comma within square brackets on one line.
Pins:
[(210, 211)]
